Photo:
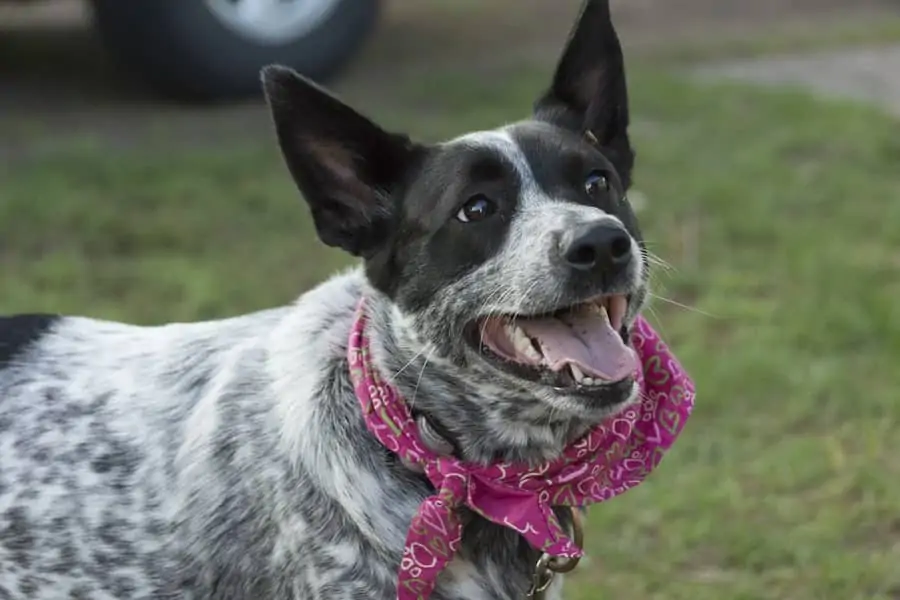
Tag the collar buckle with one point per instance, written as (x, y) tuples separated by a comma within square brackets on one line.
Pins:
[(547, 567)]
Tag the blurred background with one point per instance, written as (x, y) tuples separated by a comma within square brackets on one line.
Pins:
[(139, 180)]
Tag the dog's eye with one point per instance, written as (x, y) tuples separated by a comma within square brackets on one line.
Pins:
[(477, 208), (596, 183)]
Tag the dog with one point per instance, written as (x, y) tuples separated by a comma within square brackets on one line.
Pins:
[(502, 272)]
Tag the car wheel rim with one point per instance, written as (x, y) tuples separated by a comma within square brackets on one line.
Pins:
[(272, 21)]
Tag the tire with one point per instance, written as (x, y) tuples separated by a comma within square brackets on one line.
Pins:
[(188, 50)]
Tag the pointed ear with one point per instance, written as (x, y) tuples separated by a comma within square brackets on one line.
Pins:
[(589, 91), (345, 166)]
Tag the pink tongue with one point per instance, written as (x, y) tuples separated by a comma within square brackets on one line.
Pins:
[(586, 340)]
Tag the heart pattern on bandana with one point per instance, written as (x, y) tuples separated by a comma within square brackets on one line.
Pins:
[(610, 459)]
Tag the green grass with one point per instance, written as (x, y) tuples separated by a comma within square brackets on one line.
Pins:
[(790, 37), (779, 215)]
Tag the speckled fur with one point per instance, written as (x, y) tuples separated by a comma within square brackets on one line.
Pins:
[(221, 460), (228, 460)]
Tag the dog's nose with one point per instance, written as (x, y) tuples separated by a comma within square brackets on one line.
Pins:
[(597, 245)]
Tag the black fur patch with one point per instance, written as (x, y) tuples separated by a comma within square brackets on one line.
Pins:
[(19, 331), (431, 248)]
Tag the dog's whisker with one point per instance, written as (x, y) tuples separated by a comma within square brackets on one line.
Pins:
[(658, 261), (412, 401), (664, 267), (683, 306), (524, 296), (393, 378), (662, 332), (646, 250)]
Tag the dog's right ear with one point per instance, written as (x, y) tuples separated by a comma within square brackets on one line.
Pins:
[(344, 165)]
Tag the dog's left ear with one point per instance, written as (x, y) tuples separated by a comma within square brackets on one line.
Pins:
[(345, 165), (589, 92)]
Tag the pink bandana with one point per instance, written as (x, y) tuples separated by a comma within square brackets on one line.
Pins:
[(610, 459)]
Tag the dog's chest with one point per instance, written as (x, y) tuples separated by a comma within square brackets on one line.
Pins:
[(489, 580)]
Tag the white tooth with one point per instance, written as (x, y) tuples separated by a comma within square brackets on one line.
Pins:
[(525, 347), (522, 342), (587, 381), (595, 309), (604, 310), (514, 334), (618, 305), (576, 373)]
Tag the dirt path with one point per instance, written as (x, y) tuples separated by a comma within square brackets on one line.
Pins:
[(56, 83), (866, 74)]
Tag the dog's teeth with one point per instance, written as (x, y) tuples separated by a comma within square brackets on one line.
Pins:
[(603, 311), (513, 333), (598, 308), (576, 373), (588, 381), (618, 306), (528, 349), (522, 342)]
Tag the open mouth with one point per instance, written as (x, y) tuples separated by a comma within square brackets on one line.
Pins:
[(578, 346)]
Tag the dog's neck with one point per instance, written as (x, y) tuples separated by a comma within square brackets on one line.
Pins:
[(485, 421)]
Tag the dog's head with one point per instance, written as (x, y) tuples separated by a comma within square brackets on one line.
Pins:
[(513, 252)]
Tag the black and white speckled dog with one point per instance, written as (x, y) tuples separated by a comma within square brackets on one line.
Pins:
[(229, 459)]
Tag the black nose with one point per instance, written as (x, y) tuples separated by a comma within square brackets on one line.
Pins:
[(597, 245)]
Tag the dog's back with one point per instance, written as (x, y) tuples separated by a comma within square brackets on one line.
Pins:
[(193, 461), (92, 415)]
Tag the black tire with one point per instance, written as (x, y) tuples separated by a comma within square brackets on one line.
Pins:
[(184, 50)]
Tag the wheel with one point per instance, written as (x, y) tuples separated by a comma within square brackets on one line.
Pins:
[(214, 49)]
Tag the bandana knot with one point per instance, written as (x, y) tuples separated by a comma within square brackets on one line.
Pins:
[(610, 459)]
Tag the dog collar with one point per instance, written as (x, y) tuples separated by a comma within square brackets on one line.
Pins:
[(610, 459)]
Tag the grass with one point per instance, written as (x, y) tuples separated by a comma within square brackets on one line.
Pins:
[(779, 216), (790, 37)]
